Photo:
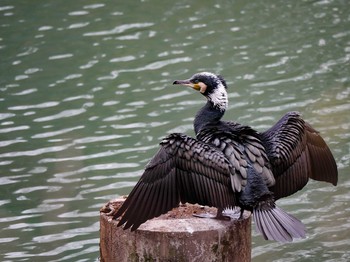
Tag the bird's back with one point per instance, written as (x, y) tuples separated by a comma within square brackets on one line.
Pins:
[(242, 147)]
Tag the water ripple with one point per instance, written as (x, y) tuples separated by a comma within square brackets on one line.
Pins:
[(13, 129), (32, 189), (8, 239), (36, 152), (43, 208), (8, 7), (61, 56), (43, 224), (77, 158), (72, 245), (36, 106), (59, 177), (57, 132), (11, 142), (63, 114), (25, 92), (6, 115), (119, 29), (152, 66)]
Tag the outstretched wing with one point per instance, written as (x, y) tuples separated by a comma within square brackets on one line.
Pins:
[(297, 152), (184, 169)]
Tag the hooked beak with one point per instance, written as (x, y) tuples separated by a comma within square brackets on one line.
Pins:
[(187, 83)]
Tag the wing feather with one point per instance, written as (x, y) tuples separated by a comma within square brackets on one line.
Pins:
[(184, 169), (323, 165), (297, 152)]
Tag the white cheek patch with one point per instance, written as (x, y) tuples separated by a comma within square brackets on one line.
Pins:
[(203, 87), (219, 97)]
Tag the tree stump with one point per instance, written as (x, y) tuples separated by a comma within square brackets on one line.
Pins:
[(175, 236)]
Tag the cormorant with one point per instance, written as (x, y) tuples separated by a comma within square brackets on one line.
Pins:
[(229, 165)]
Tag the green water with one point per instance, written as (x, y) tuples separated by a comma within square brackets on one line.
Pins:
[(86, 96)]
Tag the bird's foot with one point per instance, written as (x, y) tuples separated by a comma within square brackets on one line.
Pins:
[(241, 217), (244, 214)]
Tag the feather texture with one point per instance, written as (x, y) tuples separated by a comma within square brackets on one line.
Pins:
[(297, 152), (206, 178), (275, 224)]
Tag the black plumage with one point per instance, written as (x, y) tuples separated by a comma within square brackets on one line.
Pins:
[(229, 165)]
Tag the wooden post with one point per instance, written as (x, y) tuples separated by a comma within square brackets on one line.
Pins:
[(175, 236)]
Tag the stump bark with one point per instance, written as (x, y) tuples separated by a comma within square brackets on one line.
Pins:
[(175, 236)]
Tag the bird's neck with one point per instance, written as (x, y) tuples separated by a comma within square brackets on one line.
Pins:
[(209, 114)]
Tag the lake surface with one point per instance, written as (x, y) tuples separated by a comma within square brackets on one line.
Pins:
[(86, 96)]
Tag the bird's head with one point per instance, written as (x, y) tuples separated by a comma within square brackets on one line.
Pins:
[(212, 86)]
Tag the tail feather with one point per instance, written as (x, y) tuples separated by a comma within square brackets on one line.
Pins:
[(295, 226), (275, 224)]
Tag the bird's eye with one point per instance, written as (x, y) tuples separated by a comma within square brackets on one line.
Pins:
[(196, 81)]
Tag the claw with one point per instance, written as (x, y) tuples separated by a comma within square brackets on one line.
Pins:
[(241, 214)]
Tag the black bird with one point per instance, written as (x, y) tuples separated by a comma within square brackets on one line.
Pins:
[(229, 165)]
